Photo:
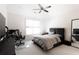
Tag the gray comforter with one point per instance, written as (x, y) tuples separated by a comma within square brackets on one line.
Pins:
[(46, 41)]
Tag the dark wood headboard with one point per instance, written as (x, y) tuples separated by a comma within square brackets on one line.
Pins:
[(60, 31)]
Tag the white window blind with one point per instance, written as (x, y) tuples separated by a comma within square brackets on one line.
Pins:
[(32, 27)]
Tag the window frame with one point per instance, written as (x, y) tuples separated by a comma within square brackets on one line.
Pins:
[(33, 27)]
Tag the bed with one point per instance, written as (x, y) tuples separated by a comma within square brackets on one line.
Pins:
[(47, 42)]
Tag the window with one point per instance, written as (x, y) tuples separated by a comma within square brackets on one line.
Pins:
[(32, 27)]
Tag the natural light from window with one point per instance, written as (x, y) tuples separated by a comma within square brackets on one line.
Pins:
[(32, 27)]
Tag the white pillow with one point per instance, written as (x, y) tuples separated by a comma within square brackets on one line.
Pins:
[(51, 33)]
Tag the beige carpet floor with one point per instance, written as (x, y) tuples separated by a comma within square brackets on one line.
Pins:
[(31, 49)]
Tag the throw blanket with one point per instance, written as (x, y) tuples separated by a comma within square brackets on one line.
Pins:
[(46, 41)]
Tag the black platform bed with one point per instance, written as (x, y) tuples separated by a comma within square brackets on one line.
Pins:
[(60, 31)]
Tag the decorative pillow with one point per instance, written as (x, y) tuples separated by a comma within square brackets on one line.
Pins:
[(51, 33)]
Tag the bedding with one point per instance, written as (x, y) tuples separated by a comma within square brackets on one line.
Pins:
[(47, 41)]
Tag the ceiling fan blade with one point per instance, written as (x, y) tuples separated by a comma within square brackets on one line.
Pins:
[(41, 7), (45, 10), (40, 11), (36, 9), (48, 7)]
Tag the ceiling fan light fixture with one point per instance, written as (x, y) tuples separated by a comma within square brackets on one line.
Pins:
[(42, 8)]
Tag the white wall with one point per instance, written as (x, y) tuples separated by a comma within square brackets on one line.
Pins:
[(3, 10), (16, 22), (61, 16), (18, 13)]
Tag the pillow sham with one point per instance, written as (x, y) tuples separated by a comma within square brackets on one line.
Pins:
[(50, 33)]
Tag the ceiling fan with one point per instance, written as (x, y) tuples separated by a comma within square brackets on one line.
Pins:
[(43, 8)]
